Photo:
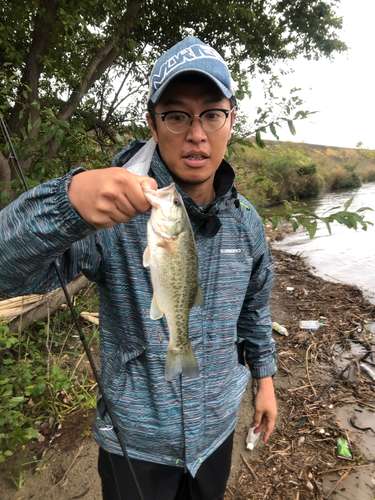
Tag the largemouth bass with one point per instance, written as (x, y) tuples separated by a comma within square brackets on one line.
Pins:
[(172, 258)]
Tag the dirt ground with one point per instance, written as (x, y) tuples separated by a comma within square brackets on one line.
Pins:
[(300, 459)]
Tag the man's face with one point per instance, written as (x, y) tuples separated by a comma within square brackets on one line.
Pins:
[(192, 157)]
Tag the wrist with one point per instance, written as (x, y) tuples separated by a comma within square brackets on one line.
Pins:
[(265, 382)]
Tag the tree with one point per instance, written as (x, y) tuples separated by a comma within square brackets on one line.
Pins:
[(68, 65)]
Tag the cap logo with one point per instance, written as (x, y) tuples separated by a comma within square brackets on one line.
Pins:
[(185, 55)]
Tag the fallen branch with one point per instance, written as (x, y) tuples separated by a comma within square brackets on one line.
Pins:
[(67, 471), (249, 467), (307, 368), (338, 482), (48, 305), (328, 386), (92, 317), (344, 468)]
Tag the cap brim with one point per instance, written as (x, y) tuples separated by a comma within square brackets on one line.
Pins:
[(157, 94)]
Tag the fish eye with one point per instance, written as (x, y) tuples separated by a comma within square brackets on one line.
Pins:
[(177, 202)]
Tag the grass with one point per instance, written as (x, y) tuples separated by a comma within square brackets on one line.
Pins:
[(42, 376)]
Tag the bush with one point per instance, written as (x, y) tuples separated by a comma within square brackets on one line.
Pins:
[(278, 173), (342, 178), (368, 175)]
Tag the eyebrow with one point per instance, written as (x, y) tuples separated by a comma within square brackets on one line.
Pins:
[(176, 102)]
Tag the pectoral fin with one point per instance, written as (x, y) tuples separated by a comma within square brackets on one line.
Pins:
[(147, 257), (199, 299), (155, 311)]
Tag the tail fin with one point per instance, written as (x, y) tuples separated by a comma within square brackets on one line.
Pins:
[(181, 363)]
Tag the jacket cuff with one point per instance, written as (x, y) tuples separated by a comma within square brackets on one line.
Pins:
[(69, 216), (265, 370)]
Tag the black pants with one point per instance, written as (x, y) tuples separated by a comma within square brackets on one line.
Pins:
[(165, 482)]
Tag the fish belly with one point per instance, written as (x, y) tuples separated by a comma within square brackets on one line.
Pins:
[(174, 274)]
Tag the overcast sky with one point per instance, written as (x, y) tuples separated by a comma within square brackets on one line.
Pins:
[(343, 90)]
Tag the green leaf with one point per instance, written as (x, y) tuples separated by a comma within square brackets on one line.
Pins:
[(291, 127), (328, 227), (8, 453), (49, 132), (76, 128), (312, 229), (259, 141), (59, 135), (362, 209), (37, 123), (5, 196), (275, 222), (294, 225), (348, 203), (273, 131), (18, 399)]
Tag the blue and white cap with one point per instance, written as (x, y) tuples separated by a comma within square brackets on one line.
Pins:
[(191, 54)]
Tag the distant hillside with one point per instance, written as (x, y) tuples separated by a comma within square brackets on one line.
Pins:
[(291, 170), (332, 155)]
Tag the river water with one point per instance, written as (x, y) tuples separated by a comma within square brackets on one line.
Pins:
[(347, 255)]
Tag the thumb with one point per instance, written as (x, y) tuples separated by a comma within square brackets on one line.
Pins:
[(148, 183), (257, 419)]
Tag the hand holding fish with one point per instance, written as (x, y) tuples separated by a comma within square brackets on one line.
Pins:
[(109, 196)]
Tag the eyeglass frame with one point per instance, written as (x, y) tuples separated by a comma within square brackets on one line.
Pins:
[(227, 112)]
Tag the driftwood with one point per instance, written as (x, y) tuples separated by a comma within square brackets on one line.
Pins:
[(92, 317), (31, 308)]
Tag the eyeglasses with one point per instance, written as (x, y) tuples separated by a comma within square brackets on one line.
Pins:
[(211, 120)]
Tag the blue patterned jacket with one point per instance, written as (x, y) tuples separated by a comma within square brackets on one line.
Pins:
[(180, 422)]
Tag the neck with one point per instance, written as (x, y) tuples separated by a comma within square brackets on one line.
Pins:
[(202, 193)]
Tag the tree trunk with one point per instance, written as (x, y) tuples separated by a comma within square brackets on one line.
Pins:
[(5, 176)]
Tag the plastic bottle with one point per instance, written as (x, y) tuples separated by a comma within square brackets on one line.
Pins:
[(280, 329), (310, 325), (343, 448), (252, 439)]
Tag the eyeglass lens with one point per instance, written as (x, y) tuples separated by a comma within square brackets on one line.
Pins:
[(211, 120)]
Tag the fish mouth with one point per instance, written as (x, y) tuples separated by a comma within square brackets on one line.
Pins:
[(156, 198), (162, 192)]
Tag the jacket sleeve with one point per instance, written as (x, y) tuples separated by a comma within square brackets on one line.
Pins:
[(39, 227), (254, 325)]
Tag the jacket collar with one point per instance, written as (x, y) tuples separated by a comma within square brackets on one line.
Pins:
[(204, 219)]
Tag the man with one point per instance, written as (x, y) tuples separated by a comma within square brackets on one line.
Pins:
[(179, 434)]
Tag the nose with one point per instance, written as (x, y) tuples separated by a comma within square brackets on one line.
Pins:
[(196, 132)]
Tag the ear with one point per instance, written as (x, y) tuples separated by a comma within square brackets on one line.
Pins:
[(152, 127)]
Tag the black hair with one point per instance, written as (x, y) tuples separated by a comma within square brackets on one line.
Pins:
[(194, 78)]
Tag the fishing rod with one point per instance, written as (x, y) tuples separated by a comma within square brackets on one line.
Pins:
[(116, 428)]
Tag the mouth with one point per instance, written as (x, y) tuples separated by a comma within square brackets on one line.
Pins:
[(195, 157)]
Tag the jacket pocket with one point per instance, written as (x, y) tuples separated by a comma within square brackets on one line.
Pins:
[(113, 376)]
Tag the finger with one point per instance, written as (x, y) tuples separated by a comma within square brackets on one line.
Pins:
[(270, 428), (123, 208), (257, 418), (134, 192), (262, 426)]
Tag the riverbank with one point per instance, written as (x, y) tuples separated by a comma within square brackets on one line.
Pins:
[(299, 461)]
